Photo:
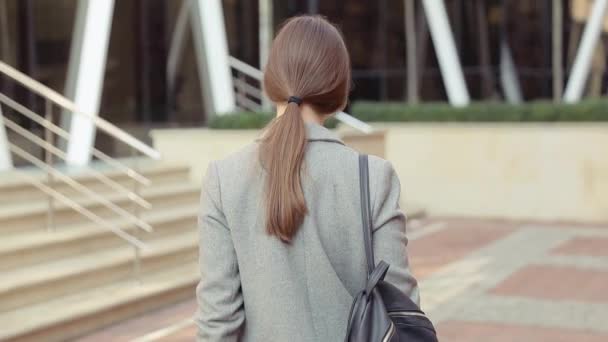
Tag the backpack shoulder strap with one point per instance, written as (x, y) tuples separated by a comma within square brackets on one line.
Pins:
[(366, 218)]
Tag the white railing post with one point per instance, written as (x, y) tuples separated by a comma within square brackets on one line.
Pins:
[(6, 162), (48, 159)]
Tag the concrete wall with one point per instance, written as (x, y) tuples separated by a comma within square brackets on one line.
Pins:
[(198, 146), (537, 171), (528, 171)]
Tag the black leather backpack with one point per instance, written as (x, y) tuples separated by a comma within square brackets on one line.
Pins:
[(381, 312)]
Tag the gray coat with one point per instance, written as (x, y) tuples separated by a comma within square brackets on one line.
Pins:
[(254, 287)]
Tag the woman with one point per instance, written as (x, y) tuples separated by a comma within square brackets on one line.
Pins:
[(281, 247)]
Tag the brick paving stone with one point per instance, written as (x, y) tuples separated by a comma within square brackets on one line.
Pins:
[(556, 282), (584, 246), (494, 267), (528, 311), (431, 252), (461, 331), (450, 289)]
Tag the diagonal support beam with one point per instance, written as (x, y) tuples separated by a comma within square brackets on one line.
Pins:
[(509, 79), (176, 49), (265, 13), (443, 40), (584, 55), (212, 56), (86, 73)]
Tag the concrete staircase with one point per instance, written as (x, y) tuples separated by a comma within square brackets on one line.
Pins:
[(57, 285)]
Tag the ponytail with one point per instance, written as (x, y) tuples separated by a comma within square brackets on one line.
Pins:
[(282, 154), (308, 67)]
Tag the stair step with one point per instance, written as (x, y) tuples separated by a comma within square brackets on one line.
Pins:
[(33, 215), (157, 325), (30, 247), (27, 285), (67, 317), (55, 286), (14, 188)]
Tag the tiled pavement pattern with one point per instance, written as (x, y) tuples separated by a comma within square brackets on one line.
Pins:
[(481, 281)]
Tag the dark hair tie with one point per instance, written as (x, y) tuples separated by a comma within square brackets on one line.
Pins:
[(295, 100)]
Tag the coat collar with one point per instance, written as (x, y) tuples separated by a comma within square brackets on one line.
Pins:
[(316, 132)]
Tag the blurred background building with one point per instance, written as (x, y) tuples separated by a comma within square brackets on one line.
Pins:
[(37, 36), (493, 113)]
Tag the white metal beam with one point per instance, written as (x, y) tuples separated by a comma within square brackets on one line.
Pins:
[(354, 122), (584, 55), (445, 50), (6, 162), (86, 73), (266, 33), (176, 47), (557, 8), (265, 29), (508, 75), (409, 8), (212, 56)]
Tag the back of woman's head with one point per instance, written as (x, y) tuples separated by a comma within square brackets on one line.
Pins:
[(308, 60)]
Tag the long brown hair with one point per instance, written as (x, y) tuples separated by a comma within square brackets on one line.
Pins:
[(309, 60)]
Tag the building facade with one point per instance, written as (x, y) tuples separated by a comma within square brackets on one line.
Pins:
[(37, 36)]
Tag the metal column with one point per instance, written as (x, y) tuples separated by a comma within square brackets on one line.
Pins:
[(212, 56), (86, 73), (410, 39), (266, 34), (176, 48), (509, 79), (582, 62), (445, 49), (557, 40)]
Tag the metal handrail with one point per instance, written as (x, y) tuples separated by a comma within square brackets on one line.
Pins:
[(60, 132), (247, 103), (65, 103), (59, 153), (354, 122), (83, 211), (79, 187), (51, 151), (258, 75), (246, 68), (247, 88)]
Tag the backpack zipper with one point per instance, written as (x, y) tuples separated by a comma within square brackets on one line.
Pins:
[(390, 333), (406, 313)]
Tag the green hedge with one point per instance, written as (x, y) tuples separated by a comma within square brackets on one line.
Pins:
[(537, 111), (250, 120)]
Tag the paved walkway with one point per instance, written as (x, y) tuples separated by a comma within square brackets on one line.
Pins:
[(481, 280)]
